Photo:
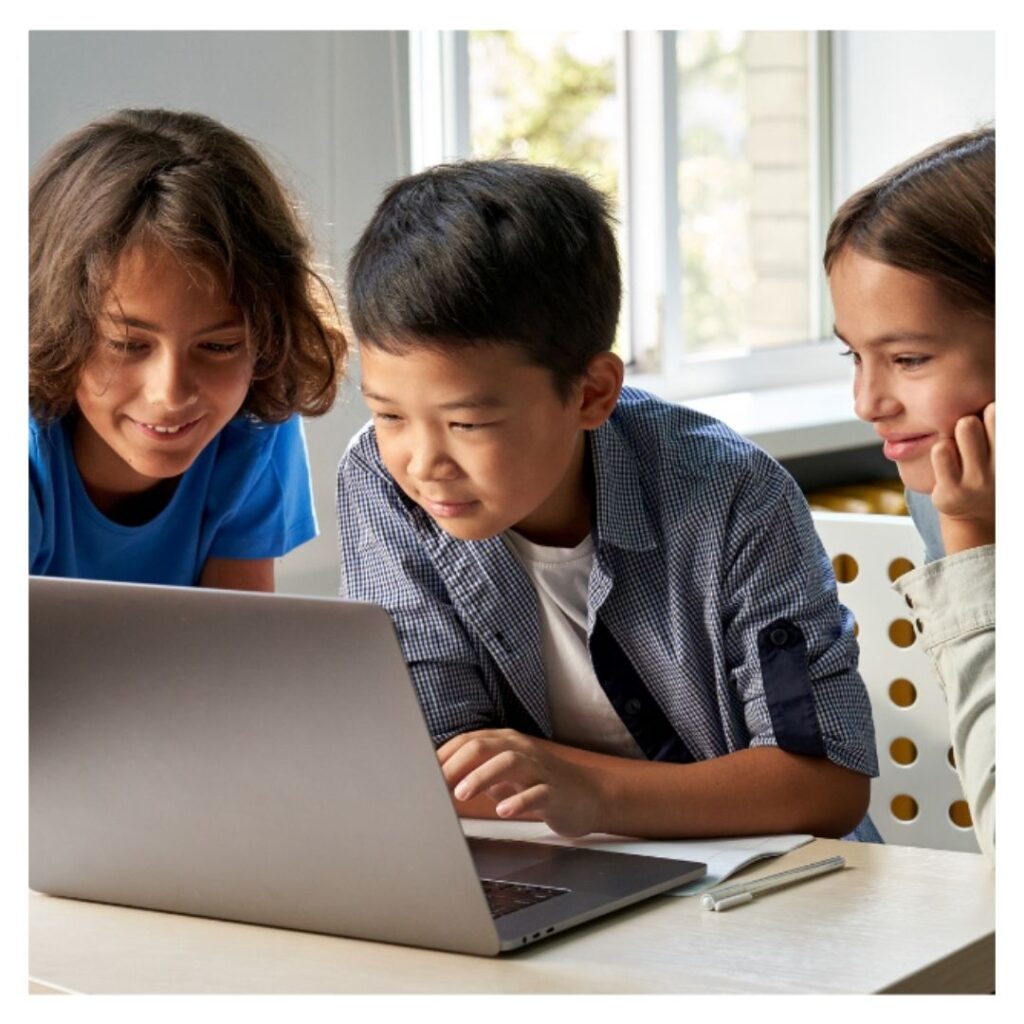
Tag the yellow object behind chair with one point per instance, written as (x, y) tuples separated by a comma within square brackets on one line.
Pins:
[(882, 497)]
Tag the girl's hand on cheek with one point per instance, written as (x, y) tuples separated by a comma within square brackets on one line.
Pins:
[(965, 482)]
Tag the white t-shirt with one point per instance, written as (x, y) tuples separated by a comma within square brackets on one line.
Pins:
[(581, 714)]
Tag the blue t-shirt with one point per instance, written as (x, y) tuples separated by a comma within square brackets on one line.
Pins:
[(247, 495)]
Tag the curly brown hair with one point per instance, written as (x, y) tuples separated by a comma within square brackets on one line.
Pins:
[(934, 215), (186, 182)]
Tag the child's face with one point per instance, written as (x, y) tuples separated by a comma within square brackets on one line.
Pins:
[(920, 363), (481, 441), (169, 369)]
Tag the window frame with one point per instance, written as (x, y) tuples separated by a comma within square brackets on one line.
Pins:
[(439, 104)]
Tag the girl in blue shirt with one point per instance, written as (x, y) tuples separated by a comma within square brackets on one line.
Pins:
[(177, 331)]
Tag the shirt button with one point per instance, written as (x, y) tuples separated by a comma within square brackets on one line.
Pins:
[(779, 637), (632, 706)]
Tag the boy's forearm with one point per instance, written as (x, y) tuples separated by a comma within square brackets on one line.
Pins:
[(761, 790), (749, 792)]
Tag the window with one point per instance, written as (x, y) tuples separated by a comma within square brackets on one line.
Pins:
[(714, 147), (745, 209)]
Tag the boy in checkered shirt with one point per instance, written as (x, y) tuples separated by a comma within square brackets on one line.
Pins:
[(615, 610)]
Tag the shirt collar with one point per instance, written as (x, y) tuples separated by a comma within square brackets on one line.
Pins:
[(621, 516)]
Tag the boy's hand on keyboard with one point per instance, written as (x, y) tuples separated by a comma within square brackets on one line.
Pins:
[(965, 482), (527, 778)]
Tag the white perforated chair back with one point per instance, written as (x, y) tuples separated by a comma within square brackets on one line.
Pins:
[(917, 799)]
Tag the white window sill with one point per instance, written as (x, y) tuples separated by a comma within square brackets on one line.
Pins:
[(788, 422)]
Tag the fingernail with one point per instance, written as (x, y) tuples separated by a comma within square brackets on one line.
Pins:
[(503, 810), (461, 791)]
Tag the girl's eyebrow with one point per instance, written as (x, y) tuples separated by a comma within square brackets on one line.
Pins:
[(890, 337)]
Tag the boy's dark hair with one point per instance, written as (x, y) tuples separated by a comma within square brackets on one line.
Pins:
[(187, 183), (934, 215), (490, 252)]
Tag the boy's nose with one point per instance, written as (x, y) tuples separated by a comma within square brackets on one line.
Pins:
[(429, 461), (172, 385)]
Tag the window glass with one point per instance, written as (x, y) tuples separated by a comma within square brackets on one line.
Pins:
[(746, 196), (547, 97), (745, 190)]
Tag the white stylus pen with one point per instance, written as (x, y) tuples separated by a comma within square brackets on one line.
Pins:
[(743, 892)]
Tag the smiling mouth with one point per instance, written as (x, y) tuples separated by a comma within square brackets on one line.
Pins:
[(447, 509), (905, 447), (166, 431)]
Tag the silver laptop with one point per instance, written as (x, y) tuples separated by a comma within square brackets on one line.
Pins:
[(263, 758)]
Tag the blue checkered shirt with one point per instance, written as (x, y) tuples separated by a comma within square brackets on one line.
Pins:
[(703, 545)]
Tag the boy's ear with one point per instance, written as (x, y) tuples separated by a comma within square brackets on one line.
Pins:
[(599, 389)]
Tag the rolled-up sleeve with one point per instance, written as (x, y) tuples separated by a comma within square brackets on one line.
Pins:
[(793, 656)]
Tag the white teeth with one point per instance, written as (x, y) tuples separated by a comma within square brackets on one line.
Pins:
[(163, 430)]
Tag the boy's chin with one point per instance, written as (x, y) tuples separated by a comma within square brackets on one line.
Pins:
[(465, 530)]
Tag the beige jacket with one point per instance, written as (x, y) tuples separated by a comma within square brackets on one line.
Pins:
[(954, 607)]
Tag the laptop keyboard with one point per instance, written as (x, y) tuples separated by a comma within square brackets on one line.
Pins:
[(506, 897)]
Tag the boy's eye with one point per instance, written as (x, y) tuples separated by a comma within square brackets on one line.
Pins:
[(470, 427), (848, 353), (386, 417), (910, 362)]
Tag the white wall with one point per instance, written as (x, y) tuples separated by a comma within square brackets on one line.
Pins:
[(331, 110), (897, 92)]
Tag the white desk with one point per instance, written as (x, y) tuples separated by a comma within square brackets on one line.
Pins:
[(897, 919)]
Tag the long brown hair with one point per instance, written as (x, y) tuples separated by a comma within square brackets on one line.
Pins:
[(934, 215), (188, 183)]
